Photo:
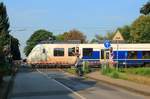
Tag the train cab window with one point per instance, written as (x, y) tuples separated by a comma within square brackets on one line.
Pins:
[(70, 52), (146, 54), (58, 51), (87, 52), (132, 55)]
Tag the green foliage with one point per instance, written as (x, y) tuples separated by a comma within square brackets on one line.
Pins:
[(125, 31), (110, 72), (5, 68), (71, 70), (5, 37), (1, 56), (86, 67), (37, 37), (60, 37), (140, 29), (98, 38), (143, 71), (15, 48), (145, 9), (4, 23), (114, 74), (72, 35)]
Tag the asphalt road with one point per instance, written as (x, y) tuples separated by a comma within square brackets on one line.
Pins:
[(55, 84)]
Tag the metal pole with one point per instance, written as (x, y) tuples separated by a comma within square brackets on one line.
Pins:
[(117, 54), (125, 62)]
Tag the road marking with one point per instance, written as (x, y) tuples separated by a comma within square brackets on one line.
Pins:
[(69, 89), (77, 94)]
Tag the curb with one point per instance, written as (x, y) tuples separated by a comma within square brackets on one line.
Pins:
[(121, 86)]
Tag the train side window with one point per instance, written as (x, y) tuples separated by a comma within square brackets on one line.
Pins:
[(58, 51), (87, 52), (146, 54), (70, 52), (132, 54)]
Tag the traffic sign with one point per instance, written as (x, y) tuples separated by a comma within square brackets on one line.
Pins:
[(107, 44), (118, 36)]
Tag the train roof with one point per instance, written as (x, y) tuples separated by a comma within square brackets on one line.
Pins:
[(143, 46)]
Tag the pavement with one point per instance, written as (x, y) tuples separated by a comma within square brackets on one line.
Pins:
[(5, 86), (131, 86), (34, 85), (56, 84)]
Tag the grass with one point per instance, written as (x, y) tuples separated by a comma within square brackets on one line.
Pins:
[(110, 72), (86, 68), (138, 75), (71, 70), (143, 71)]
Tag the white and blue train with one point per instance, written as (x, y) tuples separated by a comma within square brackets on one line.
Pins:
[(62, 54)]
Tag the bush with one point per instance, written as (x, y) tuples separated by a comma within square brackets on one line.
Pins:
[(110, 72), (71, 70), (114, 74), (86, 67), (5, 68)]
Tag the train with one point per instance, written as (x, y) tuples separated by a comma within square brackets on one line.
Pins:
[(95, 54)]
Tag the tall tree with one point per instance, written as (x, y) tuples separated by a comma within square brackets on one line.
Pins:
[(74, 35), (15, 48), (109, 35), (5, 37), (140, 29), (37, 37), (145, 9), (99, 38), (60, 37), (125, 31), (4, 32)]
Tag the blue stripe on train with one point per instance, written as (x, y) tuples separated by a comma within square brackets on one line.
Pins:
[(94, 55), (121, 54), (134, 61)]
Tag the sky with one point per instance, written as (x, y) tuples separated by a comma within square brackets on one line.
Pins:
[(89, 16)]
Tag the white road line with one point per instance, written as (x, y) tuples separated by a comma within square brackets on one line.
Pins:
[(69, 89), (77, 94)]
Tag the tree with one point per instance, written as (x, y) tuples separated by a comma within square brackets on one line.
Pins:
[(5, 37), (145, 9), (75, 35), (37, 37), (97, 38), (107, 36), (4, 23), (4, 26), (125, 31), (140, 29), (60, 37), (72, 35), (4, 32), (15, 49)]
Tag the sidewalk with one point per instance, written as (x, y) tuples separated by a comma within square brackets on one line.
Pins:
[(139, 88), (5, 86)]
